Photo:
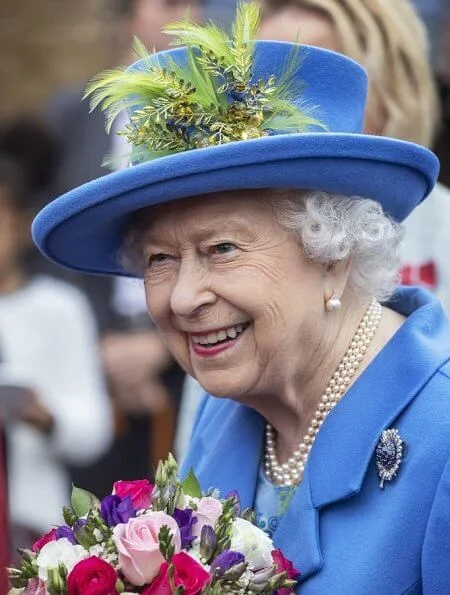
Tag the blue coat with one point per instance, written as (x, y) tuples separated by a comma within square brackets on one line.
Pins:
[(344, 533)]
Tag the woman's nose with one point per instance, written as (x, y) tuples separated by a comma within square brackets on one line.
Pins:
[(191, 291)]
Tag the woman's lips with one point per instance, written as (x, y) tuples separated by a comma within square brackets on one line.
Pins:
[(211, 344)]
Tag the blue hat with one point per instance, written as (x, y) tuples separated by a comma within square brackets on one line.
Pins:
[(84, 228)]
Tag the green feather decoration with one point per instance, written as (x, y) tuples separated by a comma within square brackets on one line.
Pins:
[(209, 100)]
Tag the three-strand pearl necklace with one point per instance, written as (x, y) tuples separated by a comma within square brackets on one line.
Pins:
[(291, 472)]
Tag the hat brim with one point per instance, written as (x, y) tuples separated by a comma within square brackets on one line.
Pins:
[(84, 228)]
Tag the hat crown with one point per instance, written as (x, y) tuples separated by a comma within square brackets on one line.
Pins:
[(331, 86)]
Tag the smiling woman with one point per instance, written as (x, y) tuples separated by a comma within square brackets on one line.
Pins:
[(223, 272), (236, 281), (267, 231)]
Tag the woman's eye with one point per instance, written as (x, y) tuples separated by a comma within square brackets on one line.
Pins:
[(158, 259), (224, 248)]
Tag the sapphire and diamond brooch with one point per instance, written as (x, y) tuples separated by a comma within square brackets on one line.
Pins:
[(389, 454)]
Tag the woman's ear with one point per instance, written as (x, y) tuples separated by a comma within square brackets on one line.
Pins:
[(336, 279)]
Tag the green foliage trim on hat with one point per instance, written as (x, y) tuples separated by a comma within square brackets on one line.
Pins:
[(210, 100)]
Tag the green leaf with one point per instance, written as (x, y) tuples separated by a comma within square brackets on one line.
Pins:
[(190, 485), (69, 516), (166, 546), (82, 501)]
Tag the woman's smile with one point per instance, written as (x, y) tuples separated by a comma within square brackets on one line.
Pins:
[(212, 343)]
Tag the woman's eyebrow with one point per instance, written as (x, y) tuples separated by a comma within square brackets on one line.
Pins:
[(226, 227), (206, 232)]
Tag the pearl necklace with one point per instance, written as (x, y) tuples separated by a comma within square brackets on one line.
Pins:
[(291, 472)]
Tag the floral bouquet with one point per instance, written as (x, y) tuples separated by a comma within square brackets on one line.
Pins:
[(165, 539)]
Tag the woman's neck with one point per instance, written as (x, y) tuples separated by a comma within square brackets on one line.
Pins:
[(293, 409)]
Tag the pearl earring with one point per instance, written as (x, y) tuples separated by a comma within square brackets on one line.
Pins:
[(333, 304)]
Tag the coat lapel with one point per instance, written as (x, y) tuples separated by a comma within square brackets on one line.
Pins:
[(298, 534), (231, 444)]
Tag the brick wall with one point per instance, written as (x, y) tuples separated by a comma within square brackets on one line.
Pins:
[(45, 44)]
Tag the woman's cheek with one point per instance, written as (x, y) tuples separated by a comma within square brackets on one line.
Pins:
[(158, 289), (160, 274)]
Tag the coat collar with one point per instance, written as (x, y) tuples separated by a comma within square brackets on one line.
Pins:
[(232, 439)]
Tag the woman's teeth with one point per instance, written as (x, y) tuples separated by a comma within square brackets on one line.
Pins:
[(222, 335)]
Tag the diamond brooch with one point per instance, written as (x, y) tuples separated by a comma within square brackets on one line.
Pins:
[(389, 454)]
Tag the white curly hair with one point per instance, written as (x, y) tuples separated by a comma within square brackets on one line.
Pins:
[(332, 228)]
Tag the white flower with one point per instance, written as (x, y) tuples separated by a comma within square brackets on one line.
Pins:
[(252, 542), (59, 552), (97, 550)]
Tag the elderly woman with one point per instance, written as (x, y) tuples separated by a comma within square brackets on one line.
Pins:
[(266, 228)]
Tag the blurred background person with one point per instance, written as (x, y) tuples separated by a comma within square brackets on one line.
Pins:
[(52, 395), (390, 41), (143, 380)]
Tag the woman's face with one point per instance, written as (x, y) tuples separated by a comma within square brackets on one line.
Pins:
[(309, 27), (231, 291)]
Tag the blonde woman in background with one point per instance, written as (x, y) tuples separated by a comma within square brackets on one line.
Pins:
[(390, 41)]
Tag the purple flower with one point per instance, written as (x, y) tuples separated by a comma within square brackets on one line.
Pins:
[(65, 531), (226, 560), (117, 510), (185, 521)]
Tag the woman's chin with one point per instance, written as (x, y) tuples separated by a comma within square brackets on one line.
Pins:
[(223, 385)]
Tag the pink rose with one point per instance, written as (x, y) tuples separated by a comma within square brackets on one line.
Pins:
[(138, 545), (188, 574), (207, 513), (35, 587), (39, 544), (139, 490), (284, 565)]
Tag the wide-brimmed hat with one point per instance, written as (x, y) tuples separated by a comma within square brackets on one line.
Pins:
[(261, 148)]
